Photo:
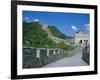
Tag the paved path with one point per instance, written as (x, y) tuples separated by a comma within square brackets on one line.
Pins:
[(75, 60)]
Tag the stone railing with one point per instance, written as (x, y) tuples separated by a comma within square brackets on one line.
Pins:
[(38, 57), (86, 54)]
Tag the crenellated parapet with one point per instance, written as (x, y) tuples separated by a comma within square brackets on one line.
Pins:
[(38, 57)]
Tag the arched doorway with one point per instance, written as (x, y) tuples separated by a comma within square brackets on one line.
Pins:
[(80, 42)]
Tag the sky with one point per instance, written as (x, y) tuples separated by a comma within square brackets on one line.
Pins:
[(68, 23)]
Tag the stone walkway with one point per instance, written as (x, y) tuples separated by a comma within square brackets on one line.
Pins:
[(54, 38), (75, 60)]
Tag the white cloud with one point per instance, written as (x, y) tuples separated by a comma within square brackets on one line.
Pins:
[(36, 20), (26, 18), (74, 28), (87, 26)]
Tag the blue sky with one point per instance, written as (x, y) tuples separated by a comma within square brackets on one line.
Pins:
[(68, 23)]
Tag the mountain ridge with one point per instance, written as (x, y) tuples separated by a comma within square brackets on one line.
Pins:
[(35, 36)]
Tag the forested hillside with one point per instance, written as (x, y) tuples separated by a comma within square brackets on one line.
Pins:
[(35, 36), (57, 32)]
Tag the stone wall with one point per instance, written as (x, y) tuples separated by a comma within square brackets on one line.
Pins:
[(86, 54), (38, 57)]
